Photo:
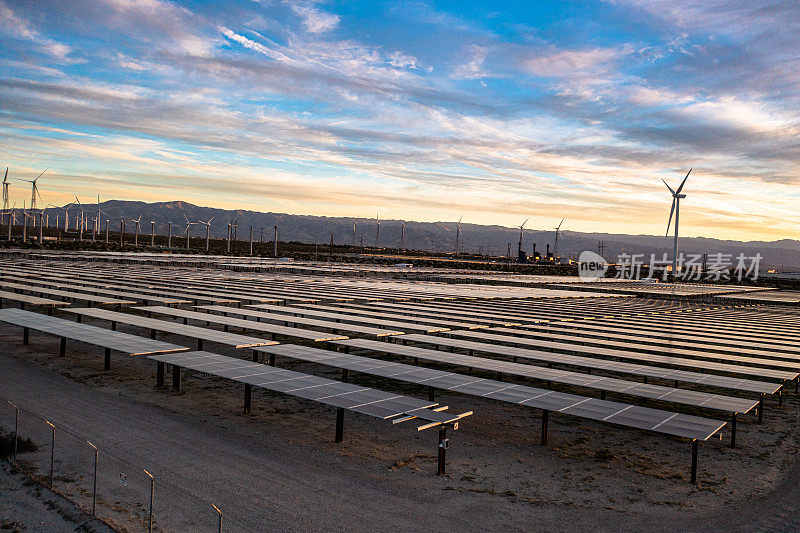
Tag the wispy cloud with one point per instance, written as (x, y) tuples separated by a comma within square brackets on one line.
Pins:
[(416, 111)]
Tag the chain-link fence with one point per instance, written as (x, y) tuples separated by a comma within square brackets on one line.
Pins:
[(101, 482)]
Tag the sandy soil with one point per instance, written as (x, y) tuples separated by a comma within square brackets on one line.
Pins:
[(27, 506), (279, 469)]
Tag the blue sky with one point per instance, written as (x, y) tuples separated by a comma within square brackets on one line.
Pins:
[(414, 110)]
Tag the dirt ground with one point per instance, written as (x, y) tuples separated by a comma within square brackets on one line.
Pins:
[(278, 468)]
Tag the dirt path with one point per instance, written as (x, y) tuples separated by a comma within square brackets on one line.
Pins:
[(286, 476)]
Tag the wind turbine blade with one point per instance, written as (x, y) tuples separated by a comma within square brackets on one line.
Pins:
[(209, 220), (671, 212), (526, 221), (668, 187), (187, 218), (40, 175), (559, 224), (460, 219), (683, 182), (5, 178)]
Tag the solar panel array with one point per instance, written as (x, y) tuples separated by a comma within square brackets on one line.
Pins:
[(372, 402), (114, 340), (517, 331)]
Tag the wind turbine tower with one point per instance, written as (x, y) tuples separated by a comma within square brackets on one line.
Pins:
[(676, 209), (555, 247), (458, 234), (519, 246)]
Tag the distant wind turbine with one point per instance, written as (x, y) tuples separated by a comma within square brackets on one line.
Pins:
[(519, 250), (34, 193), (555, 247), (458, 233), (207, 224), (676, 209)]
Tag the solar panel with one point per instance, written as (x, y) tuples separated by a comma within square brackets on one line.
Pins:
[(573, 404), (601, 364), (290, 319), (252, 325), (634, 343), (30, 300), (762, 373), (405, 326), (114, 340), (194, 332), (67, 294), (380, 404)]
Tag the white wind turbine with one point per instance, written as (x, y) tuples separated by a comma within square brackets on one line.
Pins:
[(676, 209), (458, 233), (136, 233), (79, 224), (188, 225), (519, 246), (555, 247), (207, 224)]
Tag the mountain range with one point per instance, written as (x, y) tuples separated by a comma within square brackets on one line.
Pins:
[(783, 255)]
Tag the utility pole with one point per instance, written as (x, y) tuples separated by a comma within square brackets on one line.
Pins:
[(251, 240), (152, 233), (228, 249), (330, 251), (275, 243), (107, 231), (601, 247), (262, 235), (402, 236), (169, 234), (121, 231)]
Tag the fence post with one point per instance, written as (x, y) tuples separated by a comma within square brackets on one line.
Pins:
[(219, 527), (52, 449), (94, 483), (152, 489), (16, 429)]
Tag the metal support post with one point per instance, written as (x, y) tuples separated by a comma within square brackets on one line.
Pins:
[(52, 450), (107, 360), (339, 424), (16, 426), (442, 455), (545, 416), (152, 491), (25, 335), (760, 408), (94, 482), (176, 378), (247, 398), (160, 374), (733, 430), (62, 351), (695, 444)]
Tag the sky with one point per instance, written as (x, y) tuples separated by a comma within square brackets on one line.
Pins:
[(494, 111)]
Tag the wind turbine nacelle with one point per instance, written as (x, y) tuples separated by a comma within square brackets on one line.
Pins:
[(681, 196)]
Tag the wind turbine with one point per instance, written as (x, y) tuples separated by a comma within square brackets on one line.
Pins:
[(5, 197), (676, 209), (188, 225), (136, 233), (80, 224), (11, 217), (378, 231), (5, 191), (458, 233), (558, 231), (35, 193), (208, 230), (519, 250)]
